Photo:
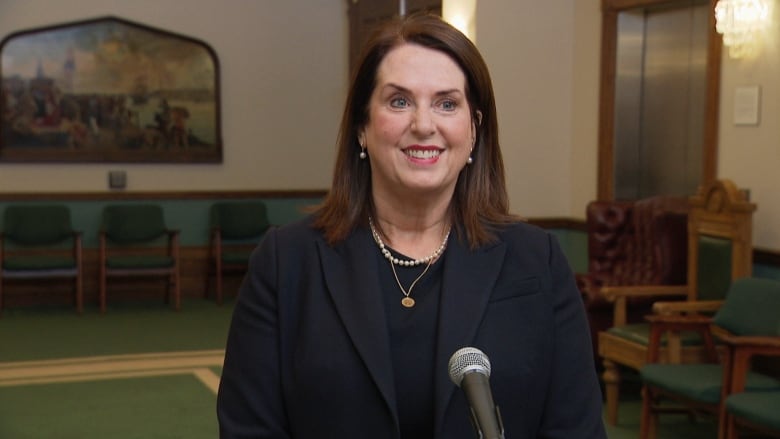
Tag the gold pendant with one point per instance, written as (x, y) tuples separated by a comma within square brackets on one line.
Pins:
[(408, 302)]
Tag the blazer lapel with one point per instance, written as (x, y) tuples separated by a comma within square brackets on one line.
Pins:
[(350, 271), (469, 277)]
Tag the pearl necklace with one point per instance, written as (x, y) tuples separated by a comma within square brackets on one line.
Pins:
[(407, 301), (408, 262)]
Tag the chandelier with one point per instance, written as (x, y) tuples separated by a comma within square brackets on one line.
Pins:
[(739, 21)]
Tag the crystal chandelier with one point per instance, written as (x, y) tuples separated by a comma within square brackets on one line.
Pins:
[(739, 21)]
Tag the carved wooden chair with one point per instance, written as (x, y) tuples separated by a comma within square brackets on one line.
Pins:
[(719, 251)]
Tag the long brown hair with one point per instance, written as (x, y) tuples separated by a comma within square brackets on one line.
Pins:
[(480, 201)]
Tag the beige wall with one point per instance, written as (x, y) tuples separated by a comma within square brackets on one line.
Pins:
[(750, 155), (284, 69), (544, 61), (544, 58)]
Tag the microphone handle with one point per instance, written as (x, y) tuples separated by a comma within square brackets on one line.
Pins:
[(484, 413)]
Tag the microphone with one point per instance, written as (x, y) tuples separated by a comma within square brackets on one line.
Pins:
[(470, 369)]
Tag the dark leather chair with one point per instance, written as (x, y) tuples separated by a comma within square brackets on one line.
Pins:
[(641, 242)]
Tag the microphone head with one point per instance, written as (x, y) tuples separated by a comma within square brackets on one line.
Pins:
[(466, 360)]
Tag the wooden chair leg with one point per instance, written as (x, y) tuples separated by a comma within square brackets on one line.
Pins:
[(218, 275), (102, 293), (177, 291), (207, 285), (79, 294), (648, 419), (169, 286), (611, 377), (730, 427)]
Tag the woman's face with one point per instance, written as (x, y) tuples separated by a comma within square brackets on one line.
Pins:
[(419, 132)]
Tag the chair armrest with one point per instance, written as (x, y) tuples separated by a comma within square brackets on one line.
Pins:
[(615, 292), (619, 295), (738, 359), (770, 343), (673, 324), (678, 320), (687, 306)]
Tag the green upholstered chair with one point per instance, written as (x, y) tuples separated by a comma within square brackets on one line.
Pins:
[(135, 241), (751, 411), (755, 412), (236, 229), (38, 242), (719, 251), (749, 314)]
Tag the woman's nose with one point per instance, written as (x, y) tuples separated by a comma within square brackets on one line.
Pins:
[(422, 122)]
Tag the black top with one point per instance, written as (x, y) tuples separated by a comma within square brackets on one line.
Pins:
[(412, 341)]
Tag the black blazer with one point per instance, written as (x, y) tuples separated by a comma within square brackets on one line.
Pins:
[(308, 354)]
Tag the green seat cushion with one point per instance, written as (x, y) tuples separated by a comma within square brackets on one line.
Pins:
[(757, 407), (139, 262), (640, 333), (30, 263), (699, 382)]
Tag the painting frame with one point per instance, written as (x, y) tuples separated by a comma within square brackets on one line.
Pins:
[(109, 90)]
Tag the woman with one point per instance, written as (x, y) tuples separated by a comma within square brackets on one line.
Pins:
[(346, 321)]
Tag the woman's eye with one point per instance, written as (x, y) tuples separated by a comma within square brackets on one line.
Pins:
[(399, 103), (448, 105)]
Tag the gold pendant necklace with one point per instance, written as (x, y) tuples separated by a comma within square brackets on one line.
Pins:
[(407, 301)]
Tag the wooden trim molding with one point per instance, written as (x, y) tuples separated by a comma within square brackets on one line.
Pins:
[(766, 257)]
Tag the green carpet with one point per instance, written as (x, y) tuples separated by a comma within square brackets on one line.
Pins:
[(40, 333), (167, 403), (172, 407)]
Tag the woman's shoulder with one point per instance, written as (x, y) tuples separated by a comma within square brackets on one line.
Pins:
[(301, 228), (522, 230)]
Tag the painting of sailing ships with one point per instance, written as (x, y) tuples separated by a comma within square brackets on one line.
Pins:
[(108, 90)]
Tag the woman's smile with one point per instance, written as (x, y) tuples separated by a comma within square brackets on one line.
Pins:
[(423, 154)]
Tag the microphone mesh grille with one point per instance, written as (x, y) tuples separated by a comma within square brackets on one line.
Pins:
[(468, 360)]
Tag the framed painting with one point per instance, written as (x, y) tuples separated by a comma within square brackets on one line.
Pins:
[(108, 90)]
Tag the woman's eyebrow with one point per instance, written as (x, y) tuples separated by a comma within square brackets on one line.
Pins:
[(406, 90)]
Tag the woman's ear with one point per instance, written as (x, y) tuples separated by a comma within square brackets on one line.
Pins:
[(476, 123)]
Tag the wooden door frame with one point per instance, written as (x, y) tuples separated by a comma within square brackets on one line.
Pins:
[(606, 132)]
